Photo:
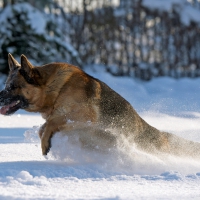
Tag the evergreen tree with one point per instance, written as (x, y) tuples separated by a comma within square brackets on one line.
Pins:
[(27, 30)]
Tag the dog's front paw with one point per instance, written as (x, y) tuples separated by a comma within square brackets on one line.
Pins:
[(46, 145)]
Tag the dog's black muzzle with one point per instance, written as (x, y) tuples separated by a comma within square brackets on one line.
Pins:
[(4, 97), (11, 103)]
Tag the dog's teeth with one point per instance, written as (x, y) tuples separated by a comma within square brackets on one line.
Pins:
[(17, 102)]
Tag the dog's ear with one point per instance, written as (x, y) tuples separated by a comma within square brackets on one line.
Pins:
[(28, 71), (26, 66), (13, 64)]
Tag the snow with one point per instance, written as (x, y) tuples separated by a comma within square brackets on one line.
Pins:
[(69, 172), (162, 5), (187, 12), (35, 18)]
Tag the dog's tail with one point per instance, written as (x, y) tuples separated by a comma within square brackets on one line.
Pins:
[(156, 142), (182, 147)]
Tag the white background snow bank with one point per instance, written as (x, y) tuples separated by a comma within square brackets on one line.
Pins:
[(187, 12)]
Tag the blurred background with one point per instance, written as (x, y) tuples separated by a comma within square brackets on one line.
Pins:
[(142, 39)]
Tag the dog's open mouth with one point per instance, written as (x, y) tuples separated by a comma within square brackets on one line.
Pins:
[(10, 108)]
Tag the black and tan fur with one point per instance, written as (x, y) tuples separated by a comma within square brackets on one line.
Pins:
[(70, 100)]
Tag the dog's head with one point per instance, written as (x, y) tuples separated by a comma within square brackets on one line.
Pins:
[(21, 89)]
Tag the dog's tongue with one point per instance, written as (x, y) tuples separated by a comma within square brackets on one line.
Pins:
[(4, 109)]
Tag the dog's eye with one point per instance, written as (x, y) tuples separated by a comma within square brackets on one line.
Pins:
[(13, 87)]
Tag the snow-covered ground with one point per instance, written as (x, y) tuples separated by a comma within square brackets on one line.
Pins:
[(69, 172)]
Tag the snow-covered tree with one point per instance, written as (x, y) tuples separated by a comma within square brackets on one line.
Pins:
[(27, 30)]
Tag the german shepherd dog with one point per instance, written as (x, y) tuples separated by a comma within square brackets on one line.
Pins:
[(71, 100)]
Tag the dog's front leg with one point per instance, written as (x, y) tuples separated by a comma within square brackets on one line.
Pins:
[(49, 129), (41, 130), (54, 125)]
